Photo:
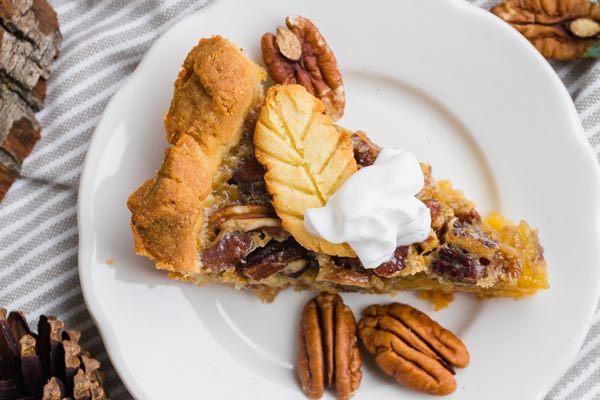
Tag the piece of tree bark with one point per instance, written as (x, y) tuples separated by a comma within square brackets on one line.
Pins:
[(9, 170), (29, 40), (19, 130), (34, 98), (36, 22), (17, 69)]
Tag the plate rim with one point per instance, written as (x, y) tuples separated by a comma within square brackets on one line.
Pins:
[(101, 321)]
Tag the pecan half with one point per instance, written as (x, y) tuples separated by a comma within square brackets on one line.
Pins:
[(308, 62), (328, 350), (342, 277), (273, 258), (438, 219), (249, 177), (455, 264), (559, 29), (238, 212), (227, 249), (365, 151), (393, 267), (412, 348), (246, 218), (463, 233)]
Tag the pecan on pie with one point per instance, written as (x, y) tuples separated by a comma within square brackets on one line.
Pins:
[(208, 217)]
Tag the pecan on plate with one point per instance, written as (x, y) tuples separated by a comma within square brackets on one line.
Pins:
[(328, 351), (559, 29), (412, 348), (300, 55)]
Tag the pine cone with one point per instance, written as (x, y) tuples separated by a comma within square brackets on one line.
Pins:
[(48, 365)]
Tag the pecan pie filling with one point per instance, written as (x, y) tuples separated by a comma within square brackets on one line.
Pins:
[(249, 248)]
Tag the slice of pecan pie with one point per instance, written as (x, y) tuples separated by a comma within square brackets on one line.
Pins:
[(207, 215)]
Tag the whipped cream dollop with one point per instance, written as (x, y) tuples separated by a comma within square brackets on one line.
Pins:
[(375, 210)]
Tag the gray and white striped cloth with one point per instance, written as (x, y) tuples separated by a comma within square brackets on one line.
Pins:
[(103, 42)]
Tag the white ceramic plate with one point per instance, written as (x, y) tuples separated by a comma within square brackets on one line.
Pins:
[(442, 79)]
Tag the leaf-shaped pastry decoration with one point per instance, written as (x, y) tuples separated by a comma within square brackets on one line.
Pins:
[(306, 157)]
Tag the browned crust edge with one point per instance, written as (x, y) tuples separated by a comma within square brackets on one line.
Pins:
[(214, 92)]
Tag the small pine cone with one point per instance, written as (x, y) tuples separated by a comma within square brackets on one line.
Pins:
[(48, 365)]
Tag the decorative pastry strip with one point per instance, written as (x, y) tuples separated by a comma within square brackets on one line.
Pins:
[(213, 96)]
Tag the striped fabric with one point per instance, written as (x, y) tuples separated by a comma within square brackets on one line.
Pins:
[(103, 42)]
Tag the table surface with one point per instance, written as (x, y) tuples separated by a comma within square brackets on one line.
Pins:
[(103, 43)]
